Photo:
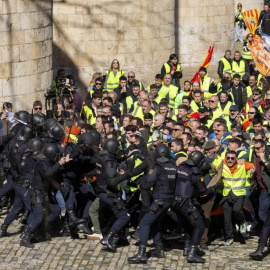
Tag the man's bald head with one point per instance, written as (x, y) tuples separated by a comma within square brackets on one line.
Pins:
[(159, 120)]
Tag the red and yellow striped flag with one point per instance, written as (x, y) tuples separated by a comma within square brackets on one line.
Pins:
[(205, 63), (251, 18)]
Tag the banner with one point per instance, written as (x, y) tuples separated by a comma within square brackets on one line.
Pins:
[(205, 63), (251, 18), (260, 51)]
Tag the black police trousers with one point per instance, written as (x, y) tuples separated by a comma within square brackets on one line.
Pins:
[(22, 199), (122, 216), (152, 220), (194, 225)]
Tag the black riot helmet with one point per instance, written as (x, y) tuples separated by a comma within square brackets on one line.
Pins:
[(197, 158), (50, 122), (26, 133), (52, 152), (57, 131), (38, 120), (162, 150), (35, 145), (111, 145), (97, 136), (86, 139), (23, 116)]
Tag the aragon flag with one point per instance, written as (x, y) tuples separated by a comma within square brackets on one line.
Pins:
[(251, 18), (205, 63)]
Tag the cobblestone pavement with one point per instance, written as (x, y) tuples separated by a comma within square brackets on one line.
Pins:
[(67, 253)]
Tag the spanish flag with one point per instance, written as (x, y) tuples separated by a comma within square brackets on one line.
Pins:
[(251, 18), (205, 63)]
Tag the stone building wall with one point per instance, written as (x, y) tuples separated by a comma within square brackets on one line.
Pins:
[(25, 51), (202, 24), (88, 35)]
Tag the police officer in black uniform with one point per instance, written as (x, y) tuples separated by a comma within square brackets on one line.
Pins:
[(108, 192), (162, 178), (22, 195), (189, 177)]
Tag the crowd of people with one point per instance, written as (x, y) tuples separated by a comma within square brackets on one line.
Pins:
[(133, 161)]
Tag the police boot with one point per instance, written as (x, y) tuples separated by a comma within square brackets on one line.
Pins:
[(83, 227), (158, 252), (23, 232), (258, 254), (115, 240), (3, 230), (186, 248), (107, 241), (26, 240), (24, 217), (140, 257), (73, 220), (193, 257), (66, 229)]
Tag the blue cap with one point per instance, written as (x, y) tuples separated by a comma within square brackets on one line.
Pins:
[(234, 108)]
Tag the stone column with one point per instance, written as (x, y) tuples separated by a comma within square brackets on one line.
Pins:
[(88, 35), (201, 24), (26, 51)]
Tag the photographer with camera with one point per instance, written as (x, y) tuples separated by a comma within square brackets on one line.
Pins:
[(5, 125)]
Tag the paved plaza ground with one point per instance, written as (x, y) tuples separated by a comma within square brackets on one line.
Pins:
[(67, 253)]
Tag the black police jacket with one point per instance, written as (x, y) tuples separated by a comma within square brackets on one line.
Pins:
[(162, 178), (107, 175), (188, 177)]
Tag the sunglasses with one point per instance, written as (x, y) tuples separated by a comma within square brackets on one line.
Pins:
[(176, 129), (130, 76), (230, 158), (251, 112), (257, 148), (98, 83), (256, 94), (37, 108)]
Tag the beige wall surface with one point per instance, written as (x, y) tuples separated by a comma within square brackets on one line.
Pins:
[(202, 24), (88, 35), (25, 51)]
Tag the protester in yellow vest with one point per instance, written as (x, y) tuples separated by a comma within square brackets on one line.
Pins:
[(136, 110), (234, 178), (89, 112), (113, 75), (168, 90), (225, 64), (205, 82), (224, 105), (172, 67), (240, 66), (252, 85)]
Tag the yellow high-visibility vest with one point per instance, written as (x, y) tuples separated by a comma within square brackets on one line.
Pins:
[(236, 182), (168, 68), (227, 65), (112, 81), (239, 69), (205, 86), (89, 115), (168, 93)]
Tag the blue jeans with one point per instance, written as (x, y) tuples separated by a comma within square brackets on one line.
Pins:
[(60, 200), (264, 204), (238, 32)]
